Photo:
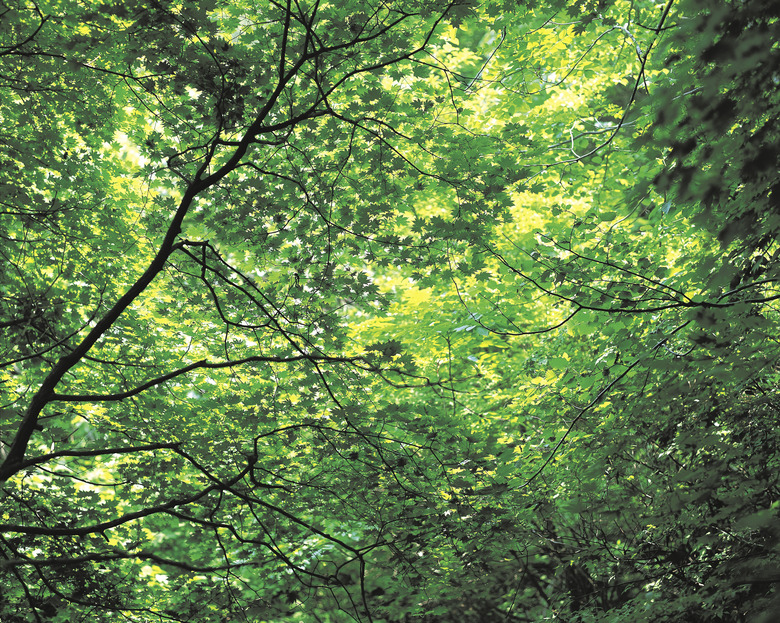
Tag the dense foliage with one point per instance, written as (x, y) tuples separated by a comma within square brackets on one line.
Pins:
[(389, 311)]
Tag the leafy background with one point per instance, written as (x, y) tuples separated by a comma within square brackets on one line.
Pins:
[(406, 311)]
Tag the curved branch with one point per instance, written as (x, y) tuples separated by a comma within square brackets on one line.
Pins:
[(38, 460), (126, 518), (203, 364)]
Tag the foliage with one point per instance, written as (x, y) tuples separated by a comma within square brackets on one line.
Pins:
[(389, 311)]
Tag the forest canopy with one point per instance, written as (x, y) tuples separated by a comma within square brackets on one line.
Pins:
[(389, 311)]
